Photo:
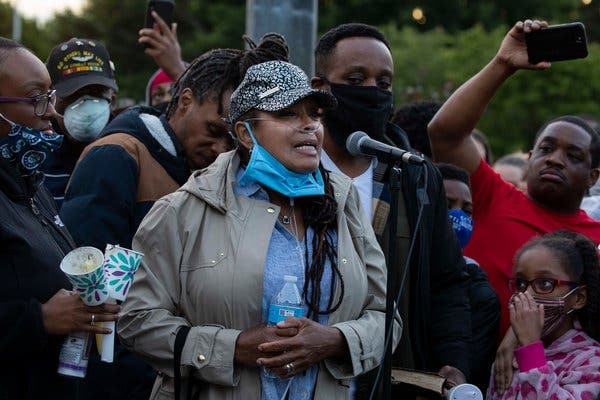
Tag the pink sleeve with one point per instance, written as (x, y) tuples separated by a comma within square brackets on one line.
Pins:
[(531, 356), (580, 381)]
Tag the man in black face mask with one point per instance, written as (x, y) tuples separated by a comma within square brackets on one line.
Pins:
[(354, 62)]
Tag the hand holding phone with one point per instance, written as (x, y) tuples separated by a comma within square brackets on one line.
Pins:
[(164, 9), (161, 43), (557, 43)]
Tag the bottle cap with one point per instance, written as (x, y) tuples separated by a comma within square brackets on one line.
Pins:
[(290, 278)]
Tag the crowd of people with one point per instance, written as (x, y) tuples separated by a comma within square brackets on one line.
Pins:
[(234, 180)]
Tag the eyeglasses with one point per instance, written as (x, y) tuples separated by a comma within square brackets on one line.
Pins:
[(40, 102), (539, 285)]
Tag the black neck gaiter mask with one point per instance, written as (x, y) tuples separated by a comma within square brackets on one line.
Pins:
[(360, 108)]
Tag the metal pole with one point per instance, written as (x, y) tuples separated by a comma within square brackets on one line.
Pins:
[(16, 24), (294, 19), (393, 274)]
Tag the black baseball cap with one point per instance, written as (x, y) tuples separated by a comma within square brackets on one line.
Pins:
[(78, 63)]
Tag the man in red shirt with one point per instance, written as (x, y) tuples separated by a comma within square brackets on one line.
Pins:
[(563, 165)]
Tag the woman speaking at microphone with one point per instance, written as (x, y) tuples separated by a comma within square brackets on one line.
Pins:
[(218, 249)]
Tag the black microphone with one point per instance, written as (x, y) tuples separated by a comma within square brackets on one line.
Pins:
[(360, 144)]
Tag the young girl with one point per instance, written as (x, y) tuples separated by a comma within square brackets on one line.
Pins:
[(554, 313)]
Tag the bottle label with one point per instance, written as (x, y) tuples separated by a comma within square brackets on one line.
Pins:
[(278, 313), (74, 354)]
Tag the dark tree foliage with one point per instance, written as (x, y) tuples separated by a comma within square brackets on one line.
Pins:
[(452, 41)]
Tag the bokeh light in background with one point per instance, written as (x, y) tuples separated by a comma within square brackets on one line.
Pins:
[(418, 15)]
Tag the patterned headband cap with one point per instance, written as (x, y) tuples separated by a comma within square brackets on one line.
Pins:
[(273, 86)]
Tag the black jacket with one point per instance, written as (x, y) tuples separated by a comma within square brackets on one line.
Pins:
[(435, 306), (439, 318), (33, 242)]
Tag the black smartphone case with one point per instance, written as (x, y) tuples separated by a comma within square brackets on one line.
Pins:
[(557, 43), (164, 8)]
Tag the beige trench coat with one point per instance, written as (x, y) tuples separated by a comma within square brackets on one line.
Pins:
[(205, 251)]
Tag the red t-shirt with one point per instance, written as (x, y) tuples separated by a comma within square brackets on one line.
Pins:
[(504, 219)]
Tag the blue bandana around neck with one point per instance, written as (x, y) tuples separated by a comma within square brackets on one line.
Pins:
[(27, 147), (462, 225), (266, 170)]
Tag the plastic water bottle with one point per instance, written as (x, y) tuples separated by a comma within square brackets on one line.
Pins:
[(286, 303)]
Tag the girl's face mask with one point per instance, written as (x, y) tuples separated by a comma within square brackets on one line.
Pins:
[(27, 146), (554, 311)]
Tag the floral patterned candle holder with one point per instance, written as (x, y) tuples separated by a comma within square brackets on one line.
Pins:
[(84, 269), (120, 265)]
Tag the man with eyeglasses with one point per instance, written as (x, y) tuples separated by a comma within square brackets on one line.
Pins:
[(84, 82)]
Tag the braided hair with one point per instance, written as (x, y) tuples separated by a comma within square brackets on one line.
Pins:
[(579, 257), (211, 74), (319, 213)]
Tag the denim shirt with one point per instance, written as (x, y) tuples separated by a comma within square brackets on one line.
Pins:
[(285, 256)]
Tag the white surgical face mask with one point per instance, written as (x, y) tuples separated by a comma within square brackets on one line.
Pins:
[(86, 117)]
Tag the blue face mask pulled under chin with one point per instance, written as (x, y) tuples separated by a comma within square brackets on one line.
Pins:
[(27, 146), (462, 225), (266, 170)]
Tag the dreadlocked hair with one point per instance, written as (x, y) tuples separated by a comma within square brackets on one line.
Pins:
[(319, 213), (579, 257), (272, 47), (210, 75)]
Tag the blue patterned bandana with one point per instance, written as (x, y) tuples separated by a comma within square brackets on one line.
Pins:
[(27, 146)]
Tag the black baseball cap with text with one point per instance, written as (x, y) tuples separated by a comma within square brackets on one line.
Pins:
[(78, 63)]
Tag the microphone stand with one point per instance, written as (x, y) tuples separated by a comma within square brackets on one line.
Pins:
[(392, 277)]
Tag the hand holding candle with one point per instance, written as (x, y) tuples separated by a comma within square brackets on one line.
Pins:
[(102, 278)]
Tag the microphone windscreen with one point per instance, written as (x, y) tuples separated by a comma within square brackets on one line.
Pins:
[(353, 143)]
